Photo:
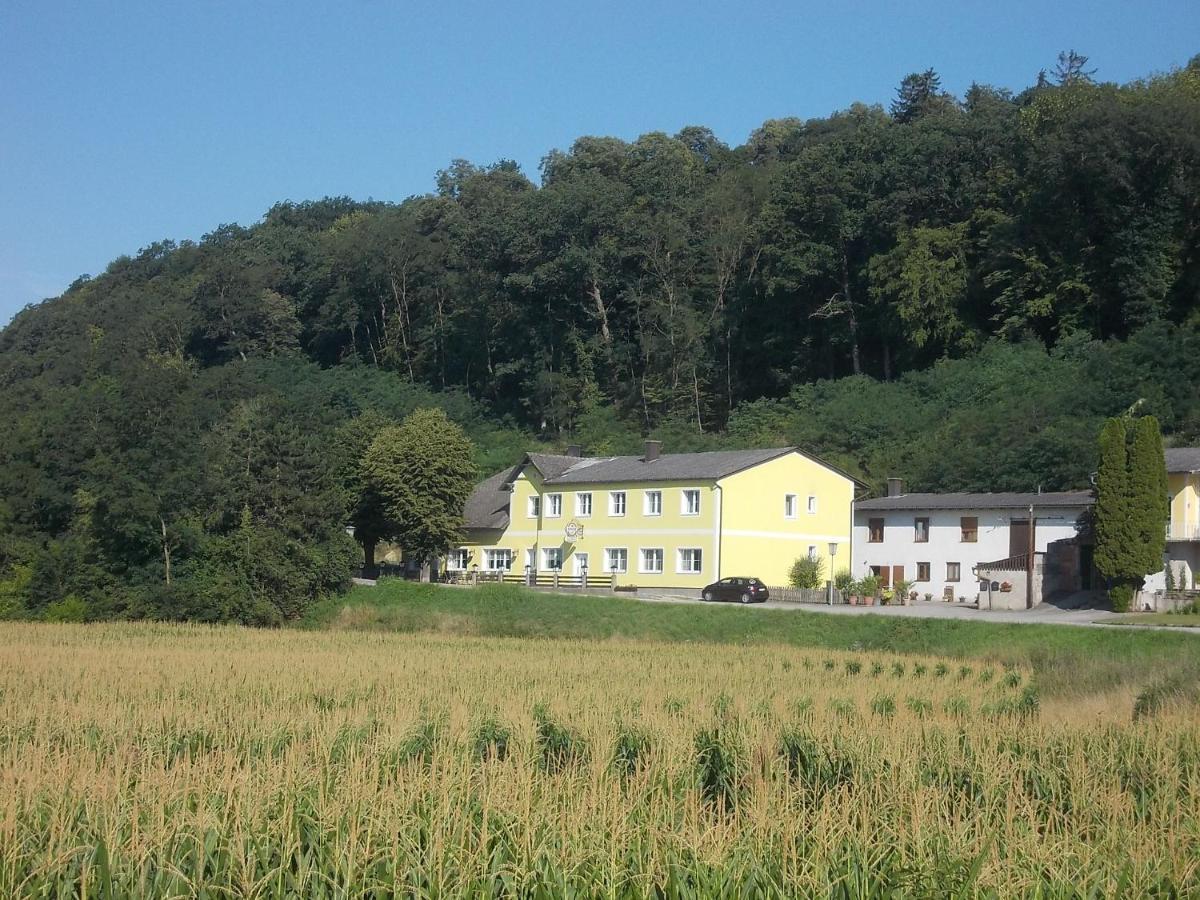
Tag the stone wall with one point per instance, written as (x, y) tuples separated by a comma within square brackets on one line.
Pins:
[(1015, 598)]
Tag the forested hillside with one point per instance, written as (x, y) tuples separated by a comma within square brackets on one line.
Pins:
[(956, 290)]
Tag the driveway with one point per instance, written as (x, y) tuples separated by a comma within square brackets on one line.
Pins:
[(1045, 614)]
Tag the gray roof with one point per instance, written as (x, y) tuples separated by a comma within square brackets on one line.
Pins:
[(976, 501), (487, 507), (1183, 459), (668, 467)]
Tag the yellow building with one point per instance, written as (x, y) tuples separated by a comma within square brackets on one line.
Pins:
[(660, 520), (1183, 532)]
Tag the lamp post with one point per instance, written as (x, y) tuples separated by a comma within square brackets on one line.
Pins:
[(832, 554)]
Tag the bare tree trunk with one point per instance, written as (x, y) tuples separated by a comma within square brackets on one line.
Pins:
[(368, 547), (166, 550), (887, 361), (601, 312), (854, 357), (696, 395)]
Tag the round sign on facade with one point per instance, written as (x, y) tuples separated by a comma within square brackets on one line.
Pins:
[(573, 531)]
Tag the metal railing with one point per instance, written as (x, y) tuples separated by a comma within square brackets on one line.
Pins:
[(1183, 531)]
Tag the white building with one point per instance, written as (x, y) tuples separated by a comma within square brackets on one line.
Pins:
[(937, 540)]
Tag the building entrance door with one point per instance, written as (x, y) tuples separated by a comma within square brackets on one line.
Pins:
[(1019, 537)]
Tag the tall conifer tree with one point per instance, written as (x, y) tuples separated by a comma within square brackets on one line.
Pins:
[(1115, 530), (1148, 489)]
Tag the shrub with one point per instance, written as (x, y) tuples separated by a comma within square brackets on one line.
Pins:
[(69, 609), (1178, 689), (559, 746), (807, 573), (490, 739), (630, 750), (843, 709), (13, 591), (941, 670), (843, 580), (919, 706), (418, 744), (1121, 597), (717, 769), (853, 667), (876, 669), (883, 706), (956, 706)]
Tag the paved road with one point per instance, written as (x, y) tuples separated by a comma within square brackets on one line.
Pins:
[(936, 609)]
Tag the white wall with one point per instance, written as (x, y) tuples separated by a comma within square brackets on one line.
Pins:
[(899, 549)]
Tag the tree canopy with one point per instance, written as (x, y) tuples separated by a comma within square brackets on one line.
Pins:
[(959, 290)]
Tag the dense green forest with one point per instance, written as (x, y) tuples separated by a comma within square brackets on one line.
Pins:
[(957, 290)]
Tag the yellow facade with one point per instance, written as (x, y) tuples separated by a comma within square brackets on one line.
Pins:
[(745, 525), (1184, 488), (760, 539)]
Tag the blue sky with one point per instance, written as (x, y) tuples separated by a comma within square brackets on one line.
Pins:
[(122, 123)]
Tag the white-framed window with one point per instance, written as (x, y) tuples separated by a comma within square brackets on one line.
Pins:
[(552, 558), (652, 503), (616, 503), (534, 507), (583, 504), (790, 503), (651, 560), (616, 559), (531, 559), (495, 560), (690, 561), (458, 560), (812, 551), (689, 501), (812, 504), (553, 506)]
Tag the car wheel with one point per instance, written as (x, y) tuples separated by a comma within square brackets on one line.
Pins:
[(707, 598), (745, 598)]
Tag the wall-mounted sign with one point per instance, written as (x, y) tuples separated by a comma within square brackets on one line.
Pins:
[(572, 531)]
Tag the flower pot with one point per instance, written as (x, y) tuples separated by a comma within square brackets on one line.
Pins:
[(852, 600)]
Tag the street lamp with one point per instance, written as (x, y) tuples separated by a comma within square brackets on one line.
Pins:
[(832, 554)]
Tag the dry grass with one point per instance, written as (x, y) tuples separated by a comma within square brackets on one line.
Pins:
[(150, 760)]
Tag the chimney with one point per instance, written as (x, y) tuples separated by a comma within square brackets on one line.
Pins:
[(574, 450), (895, 487), (653, 449)]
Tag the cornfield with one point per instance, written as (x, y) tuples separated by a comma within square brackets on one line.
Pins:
[(178, 761)]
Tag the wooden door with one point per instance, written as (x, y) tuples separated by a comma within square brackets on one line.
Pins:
[(897, 574), (1018, 537)]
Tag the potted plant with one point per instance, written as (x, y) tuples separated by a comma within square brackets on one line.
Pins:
[(869, 587), (853, 590), (901, 588)]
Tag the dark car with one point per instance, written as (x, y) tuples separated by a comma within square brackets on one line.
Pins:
[(744, 590)]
